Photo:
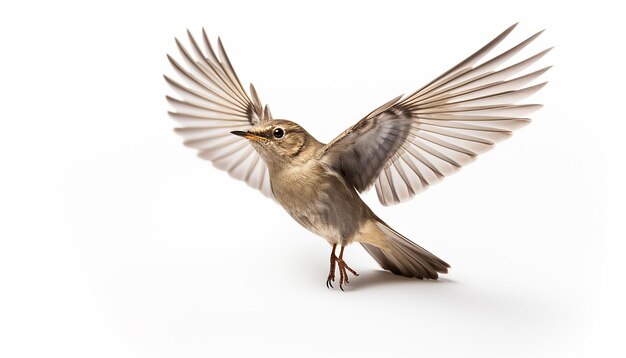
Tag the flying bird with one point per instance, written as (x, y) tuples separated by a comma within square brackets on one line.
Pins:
[(401, 147)]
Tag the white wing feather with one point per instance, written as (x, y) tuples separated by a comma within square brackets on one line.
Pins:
[(212, 104), (412, 142)]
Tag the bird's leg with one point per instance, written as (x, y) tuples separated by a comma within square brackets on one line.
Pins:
[(343, 267), (333, 261)]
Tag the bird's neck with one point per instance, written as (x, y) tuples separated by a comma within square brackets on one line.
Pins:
[(297, 160)]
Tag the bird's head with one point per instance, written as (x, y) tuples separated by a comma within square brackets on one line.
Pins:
[(280, 142)]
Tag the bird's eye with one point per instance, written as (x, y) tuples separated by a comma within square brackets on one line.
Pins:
[(278, 133)]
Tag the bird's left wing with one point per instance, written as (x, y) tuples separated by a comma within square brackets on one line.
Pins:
[(414, 141), (212, 104)]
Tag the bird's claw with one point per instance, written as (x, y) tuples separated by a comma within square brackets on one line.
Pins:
[(343, 272), (331, 274)]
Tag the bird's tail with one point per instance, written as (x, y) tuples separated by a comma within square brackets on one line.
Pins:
[(402, 256)]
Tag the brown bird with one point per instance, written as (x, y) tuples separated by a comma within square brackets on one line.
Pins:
[(402, 147)]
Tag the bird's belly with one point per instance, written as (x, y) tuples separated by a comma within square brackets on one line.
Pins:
[(316, 225), (328, 208)]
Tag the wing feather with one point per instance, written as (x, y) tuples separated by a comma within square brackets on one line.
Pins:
[(212, 104), (412, 142)]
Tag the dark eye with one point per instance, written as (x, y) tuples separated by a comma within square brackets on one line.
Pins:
[(278, 133)]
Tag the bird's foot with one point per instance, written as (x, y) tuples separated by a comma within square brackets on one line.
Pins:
[(343, 272), (331, 274)]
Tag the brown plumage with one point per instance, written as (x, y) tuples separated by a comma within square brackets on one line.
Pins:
[(402, 147)]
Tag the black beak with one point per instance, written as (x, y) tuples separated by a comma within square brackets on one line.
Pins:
[(249, 135), (239, 133)]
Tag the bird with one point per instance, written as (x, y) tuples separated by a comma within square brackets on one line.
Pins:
[(401, 148)]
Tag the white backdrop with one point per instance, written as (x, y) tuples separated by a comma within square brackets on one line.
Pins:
[(115, 240)]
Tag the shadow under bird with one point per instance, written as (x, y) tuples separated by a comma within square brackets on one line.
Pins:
[(401, 147)]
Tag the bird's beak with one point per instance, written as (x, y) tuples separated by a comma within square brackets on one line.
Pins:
[(249, 135)]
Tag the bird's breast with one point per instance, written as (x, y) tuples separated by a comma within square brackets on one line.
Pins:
[(320, 201)]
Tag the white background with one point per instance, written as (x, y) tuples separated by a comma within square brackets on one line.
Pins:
[(116, 241)]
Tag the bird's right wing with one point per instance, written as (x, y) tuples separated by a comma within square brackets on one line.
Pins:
[(213, 103), (411, 142)]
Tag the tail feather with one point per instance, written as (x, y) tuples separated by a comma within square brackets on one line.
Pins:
[(403, 257)]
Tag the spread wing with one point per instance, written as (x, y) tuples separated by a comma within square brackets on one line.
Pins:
[(414, 141), (211, 104)]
